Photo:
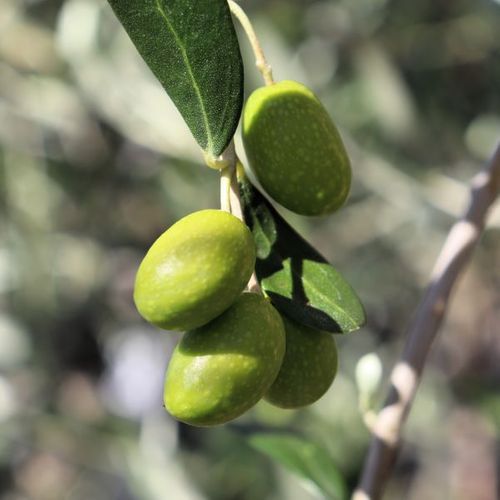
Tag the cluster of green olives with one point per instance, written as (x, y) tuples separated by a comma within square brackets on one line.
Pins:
[(238, 348)]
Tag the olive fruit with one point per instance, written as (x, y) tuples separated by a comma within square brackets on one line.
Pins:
[(222, 369), (295, 150), (308, 369), (195, 270)]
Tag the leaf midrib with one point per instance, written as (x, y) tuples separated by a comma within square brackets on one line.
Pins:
[(196, 87)]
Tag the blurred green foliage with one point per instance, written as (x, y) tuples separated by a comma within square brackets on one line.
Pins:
[(95, 163)]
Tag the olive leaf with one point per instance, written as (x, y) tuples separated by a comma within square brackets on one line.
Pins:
[(296, 277), (305, 459), (191, 47)]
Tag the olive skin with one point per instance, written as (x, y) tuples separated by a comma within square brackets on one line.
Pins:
[(295, 150), (195, 270), (222, 369), (309, 367)]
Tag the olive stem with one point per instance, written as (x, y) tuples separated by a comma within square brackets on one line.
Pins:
[(234, 194), (237, 210), (228, 158), (230, 200), (260, 59), (406, 374), (225, 186), (253, 284)]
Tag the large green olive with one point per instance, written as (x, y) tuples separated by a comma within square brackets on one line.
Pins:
[(195, 270), (308, 369), (295, 150), (222, 369)]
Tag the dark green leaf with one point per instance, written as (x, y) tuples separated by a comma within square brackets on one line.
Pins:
[(299, 281), (306, 460), (191, 47)]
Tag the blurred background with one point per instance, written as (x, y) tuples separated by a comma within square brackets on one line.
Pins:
[(95, 163)]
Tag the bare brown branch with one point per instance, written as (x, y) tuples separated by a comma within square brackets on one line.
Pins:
[(422, 331)]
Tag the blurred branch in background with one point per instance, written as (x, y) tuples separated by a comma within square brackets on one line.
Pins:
[(405, 377)]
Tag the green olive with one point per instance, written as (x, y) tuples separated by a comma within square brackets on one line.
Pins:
[(295, 150), (309, 367), (195, 270), (222, 369)]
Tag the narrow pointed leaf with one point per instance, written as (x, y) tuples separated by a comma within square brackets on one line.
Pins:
[(297, 278), (191, 47), (305, 459)]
